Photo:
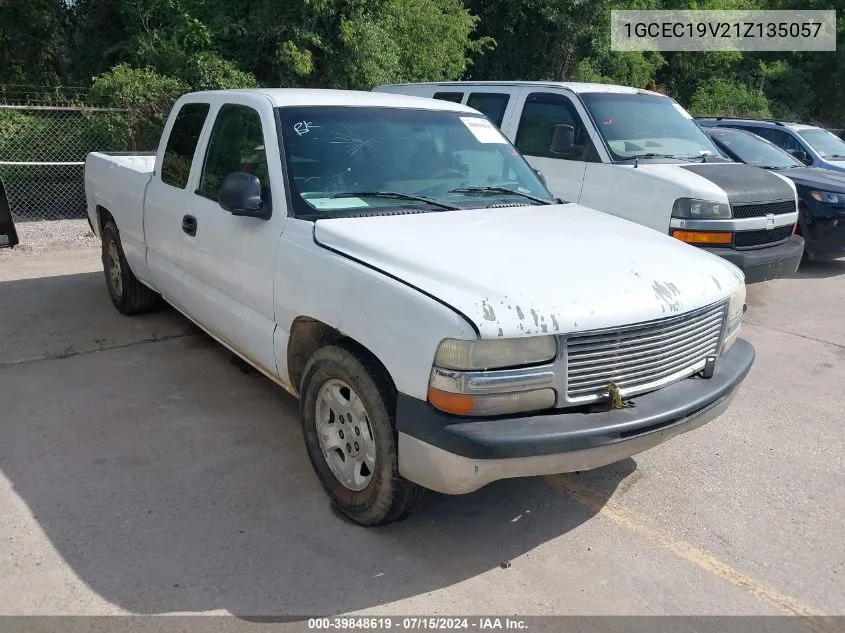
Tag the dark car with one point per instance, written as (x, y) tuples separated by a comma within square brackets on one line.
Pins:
[(821, 192), (812, 145), (8, 235)]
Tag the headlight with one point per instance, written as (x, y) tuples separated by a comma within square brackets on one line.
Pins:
[(493, 376), (736, 308), (494, 353), (692, 209), (827, 197)]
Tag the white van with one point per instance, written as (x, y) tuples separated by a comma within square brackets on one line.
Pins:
[(639, 155)]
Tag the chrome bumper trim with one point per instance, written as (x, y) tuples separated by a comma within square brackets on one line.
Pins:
[(492, 381), (742, 224)]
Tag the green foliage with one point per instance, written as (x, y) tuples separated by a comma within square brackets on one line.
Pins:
[(146, 96), (141, 54), (31, 38), (729, 98), (207, 71), (69, 136)]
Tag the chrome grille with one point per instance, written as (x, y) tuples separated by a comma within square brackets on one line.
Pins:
[(641, 357)]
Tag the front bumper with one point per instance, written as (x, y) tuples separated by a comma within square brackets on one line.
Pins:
[(455, 455), (766, 263)]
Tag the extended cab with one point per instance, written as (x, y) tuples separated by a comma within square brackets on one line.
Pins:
[(639, 155), (399, 267)]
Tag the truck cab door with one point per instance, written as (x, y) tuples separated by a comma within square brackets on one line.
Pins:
[(8, 235), (229, 258), (164, 200), (532, 130)]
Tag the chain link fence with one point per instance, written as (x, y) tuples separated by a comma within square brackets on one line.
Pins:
[(44, 138)]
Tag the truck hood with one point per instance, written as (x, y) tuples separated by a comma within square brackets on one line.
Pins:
[(735, 183), (540, 269)]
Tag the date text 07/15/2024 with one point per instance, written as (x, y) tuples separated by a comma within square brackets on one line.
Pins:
[(408, 623)]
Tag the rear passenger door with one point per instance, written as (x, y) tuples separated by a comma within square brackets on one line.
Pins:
[(165, 197), (531, 132), (230, 260)]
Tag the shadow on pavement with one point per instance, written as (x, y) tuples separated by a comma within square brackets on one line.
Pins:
[(820, 270), (171, 481), (65, 315)]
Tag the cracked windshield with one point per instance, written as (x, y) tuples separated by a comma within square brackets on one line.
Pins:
[(350, 161)]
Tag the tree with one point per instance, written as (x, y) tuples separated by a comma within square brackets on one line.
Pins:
[(32, 42), (729, 98), (146, 96)]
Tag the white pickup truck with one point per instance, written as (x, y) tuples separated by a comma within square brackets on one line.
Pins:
[(398, 266)]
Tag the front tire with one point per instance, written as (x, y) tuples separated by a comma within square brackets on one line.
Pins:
[(347, 409), (127, 294)]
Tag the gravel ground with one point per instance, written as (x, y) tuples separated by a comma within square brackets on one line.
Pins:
[(46, 236)]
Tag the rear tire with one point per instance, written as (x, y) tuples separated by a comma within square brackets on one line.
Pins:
[(127, 294), (347, 407)]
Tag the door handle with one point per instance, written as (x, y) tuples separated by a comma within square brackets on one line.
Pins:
[(189, 225)]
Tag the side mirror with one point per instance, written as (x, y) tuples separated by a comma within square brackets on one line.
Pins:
[(240, 194), (541, 177), (8, 235), (563, 140)]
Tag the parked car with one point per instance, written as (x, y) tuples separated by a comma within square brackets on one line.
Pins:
[(8, 234), (812, 145), (639, 155), (395, 264), (821, 192)]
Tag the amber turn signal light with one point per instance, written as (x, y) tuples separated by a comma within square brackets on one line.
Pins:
[(455, 403), (704, 237)]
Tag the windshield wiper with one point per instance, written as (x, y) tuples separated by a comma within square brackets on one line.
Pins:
[(507, 190), (396, 195)]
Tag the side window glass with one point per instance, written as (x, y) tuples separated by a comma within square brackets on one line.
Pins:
[(236, 144), (492, 105), (541, 113), (781, 139), (182, 143), (785, 141), (455, 97), (758, 131)]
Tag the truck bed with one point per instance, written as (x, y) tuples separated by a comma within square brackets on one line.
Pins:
[(117, 183)]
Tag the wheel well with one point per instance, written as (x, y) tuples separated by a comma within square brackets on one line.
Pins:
[(803, 215), (103, 216), (307, 335)]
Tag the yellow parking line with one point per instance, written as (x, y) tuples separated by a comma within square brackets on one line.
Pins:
[(630, 521)]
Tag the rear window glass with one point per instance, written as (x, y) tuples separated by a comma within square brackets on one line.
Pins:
[(182, 143)]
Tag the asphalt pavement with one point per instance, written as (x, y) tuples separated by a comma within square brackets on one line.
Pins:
[(143, 471)]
